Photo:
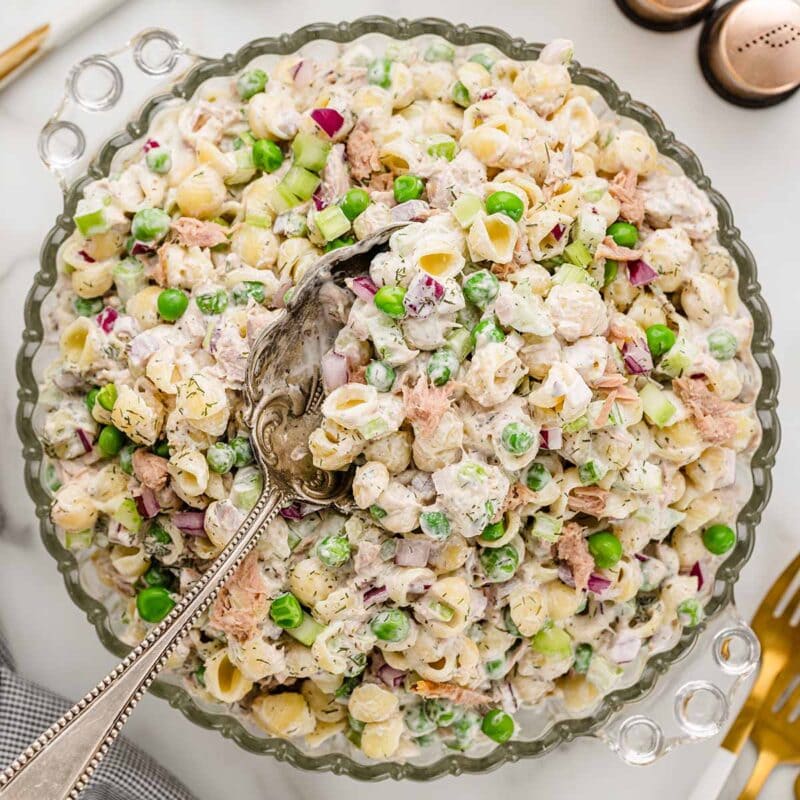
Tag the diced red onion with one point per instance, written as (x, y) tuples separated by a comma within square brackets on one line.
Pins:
[(412, 552), (150, 504), (363, 287), (150, 144), (329, 119), (598, 584), (334, 371), (319, 201), (190, 522), (291, 512), (142, 249), (697, 572), (391, 676), (550, 438), (488, 94), (106, 318), (423, 295), (625, 648), (86, 257), (640, 273), (637, 357), (377, 594), (558, 232), (642, 557), (419, 587), (86, 439), (410, 210), (565, 575)]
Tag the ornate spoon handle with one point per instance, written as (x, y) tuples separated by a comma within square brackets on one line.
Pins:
[(60, 762)]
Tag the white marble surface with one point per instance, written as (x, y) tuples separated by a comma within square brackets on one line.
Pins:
[(752, 157)]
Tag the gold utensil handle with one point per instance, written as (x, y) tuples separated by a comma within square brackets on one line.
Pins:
[(61, 761), (766, 762)]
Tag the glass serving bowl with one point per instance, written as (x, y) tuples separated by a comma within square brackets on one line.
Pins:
[(694, 699)]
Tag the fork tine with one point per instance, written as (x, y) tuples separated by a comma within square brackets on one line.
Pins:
[(776, 592), (791, 703)]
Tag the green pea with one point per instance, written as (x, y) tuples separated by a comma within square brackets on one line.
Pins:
[(505, 203), (690, 613), (407, 187), (624, 234), (434, 524), (719, 539), (498, 725), (379, 73), (481, 288), (537, 477), (242, 293), (493, 531), (333, 551), (583, 655), (484, 59), (286, 611), (158, 160), (552, 641), (154, 603), (107, 396), (162, 449), (417, 720), (464, 730), (440, 51), (722, 345), (499, 563), (590, 472), (212, 303), (389, 299), (126, 458), (267, 156), (150, 225), (110, 440), (242, 451), (495, 669), (91, 397), (342, 241), (605, 548), (391, 626), (157, 576), (380, 375), (376, 512), (87, 308), (487, 330), (355, 202), (610, 272), (172, 303), (442, 366), (200, 674), (446, 150), (460, 95), (442, 712), (221, 458), (659, 339), (517, 438), (251, 82)]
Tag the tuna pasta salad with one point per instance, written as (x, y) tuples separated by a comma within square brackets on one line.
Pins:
[(542, 385)]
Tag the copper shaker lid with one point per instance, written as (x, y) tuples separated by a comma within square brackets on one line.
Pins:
[(751, 48), (665, 15)]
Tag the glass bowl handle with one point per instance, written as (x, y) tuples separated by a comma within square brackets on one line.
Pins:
[(694, 700), (90, 107)]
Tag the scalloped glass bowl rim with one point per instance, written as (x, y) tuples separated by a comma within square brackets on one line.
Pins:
[(749, 289)]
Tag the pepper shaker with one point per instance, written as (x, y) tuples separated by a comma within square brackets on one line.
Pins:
[(750, 51), (665, 15)]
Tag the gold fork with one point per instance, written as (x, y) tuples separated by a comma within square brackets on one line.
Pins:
[(776, 732), (777, 637)]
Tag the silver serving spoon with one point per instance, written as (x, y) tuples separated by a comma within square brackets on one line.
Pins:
[(283, 396)]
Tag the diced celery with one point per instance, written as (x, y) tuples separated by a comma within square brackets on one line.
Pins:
[(678, 358), (657, 408), (245, 168), (92, 222), (460, 342), (590, 228), (79, 540), (570, 273), (129, 278), (310, 151), (332, 223), (578, 254), (300, 182), (546, 527), (258, 220), (576, 425), (307, 631), (128, 515), (374, 428), (441, 610), (466, 208), (602, 673), (246, 488), (281, 200), (590, 472)]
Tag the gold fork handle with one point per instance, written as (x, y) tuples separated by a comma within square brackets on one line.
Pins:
[(767, 761), (59, 764), (797, 788)]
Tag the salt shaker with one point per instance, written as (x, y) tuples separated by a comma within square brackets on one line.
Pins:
[(750, 51), (665, 15)]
